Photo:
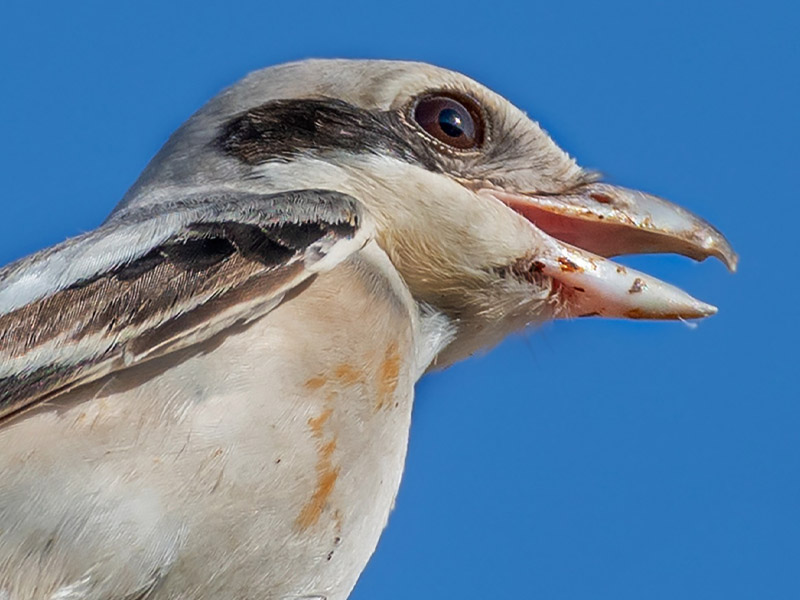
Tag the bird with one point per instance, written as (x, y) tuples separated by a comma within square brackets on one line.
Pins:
[(209, 395)]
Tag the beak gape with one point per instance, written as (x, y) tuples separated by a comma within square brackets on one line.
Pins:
[(581, 228)]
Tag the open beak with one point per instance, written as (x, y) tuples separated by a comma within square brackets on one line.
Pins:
[(583, 226)]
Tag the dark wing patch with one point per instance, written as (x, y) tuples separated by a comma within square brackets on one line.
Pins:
[(205, 278)]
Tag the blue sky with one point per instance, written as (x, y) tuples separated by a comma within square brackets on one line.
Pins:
[(590, 459)]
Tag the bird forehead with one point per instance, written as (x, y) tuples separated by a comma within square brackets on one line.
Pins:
[(367, 84)]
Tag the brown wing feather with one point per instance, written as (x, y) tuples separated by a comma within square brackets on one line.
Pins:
[(204, 279)]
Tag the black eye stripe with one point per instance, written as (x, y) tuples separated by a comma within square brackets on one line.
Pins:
[(284, 129)]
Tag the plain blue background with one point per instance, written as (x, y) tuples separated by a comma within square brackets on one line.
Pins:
[(590, 459)]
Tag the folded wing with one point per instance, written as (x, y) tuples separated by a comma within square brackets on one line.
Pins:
[(154, 281)]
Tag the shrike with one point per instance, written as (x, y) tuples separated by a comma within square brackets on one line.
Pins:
[(209, 396)]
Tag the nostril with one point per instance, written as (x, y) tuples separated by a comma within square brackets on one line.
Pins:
[(601, 198)]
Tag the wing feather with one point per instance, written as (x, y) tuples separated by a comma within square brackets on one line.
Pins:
[(194, 269)]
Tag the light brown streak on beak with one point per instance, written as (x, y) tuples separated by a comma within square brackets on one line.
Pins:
[(578, 229)]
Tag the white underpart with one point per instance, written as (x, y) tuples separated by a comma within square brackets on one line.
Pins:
[(436, 332), (226, 459), (73, 591)]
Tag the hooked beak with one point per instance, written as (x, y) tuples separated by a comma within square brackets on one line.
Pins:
[(583, 226)]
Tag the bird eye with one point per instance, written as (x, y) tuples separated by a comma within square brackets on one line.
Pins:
[(457, 123)]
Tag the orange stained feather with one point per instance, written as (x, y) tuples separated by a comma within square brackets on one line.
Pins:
[(348, 375), (343, 373), (316, 424), (327, 474), (388, 376), (314, 383)]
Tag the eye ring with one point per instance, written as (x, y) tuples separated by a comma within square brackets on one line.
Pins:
[(454, 120)]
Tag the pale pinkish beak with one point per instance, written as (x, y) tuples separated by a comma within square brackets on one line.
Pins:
[(580, 228)]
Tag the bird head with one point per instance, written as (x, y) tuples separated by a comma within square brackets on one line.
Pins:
[(485, 218)]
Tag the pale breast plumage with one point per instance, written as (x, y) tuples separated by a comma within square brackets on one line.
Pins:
[(246, 467)]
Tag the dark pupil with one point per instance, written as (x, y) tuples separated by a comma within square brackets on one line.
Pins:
[(451, 122)]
